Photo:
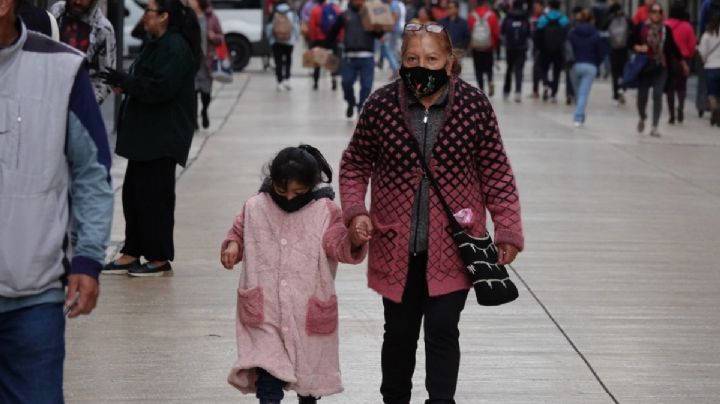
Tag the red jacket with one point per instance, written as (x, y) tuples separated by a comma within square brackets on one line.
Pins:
[(492, 21), (640, 15), (684, 36), (315, 32), (469, 163)]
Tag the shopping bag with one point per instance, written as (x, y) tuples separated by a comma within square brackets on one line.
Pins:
[(221, 65)]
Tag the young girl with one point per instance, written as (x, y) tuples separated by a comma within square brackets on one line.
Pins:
[(290, 236)]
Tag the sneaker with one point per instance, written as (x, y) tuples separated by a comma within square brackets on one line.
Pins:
[(553, 99), (518, 97), (671, 120), (280, 87), (149, 270), (680, 115), (286, 85), (654, 132), (641, 126), (578, 124), (621, 99), (546, 94), (569, 100), (349, 111), (491, 89), (113, 268)]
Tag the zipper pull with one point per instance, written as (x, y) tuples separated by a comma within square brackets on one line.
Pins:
[(425, 118)]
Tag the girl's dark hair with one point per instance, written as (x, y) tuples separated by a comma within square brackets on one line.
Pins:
[(303, 164), (713, 24), (677, 10), (183, 20), (204, 4)]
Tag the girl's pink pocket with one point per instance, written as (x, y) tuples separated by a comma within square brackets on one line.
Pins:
[(322, 316), (250, 306)]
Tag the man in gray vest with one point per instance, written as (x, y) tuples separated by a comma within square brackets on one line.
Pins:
[(55, 206)]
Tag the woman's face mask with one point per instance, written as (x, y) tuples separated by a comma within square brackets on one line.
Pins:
[(422, 81)]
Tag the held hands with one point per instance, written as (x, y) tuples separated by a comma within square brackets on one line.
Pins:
[(229, 255), (360, 230), (506, 254), (641, 48)]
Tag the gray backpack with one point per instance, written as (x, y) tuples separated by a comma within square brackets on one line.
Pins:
[(619, 32)]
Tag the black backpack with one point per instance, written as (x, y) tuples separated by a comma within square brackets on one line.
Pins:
[(553, 37), (517, 34)]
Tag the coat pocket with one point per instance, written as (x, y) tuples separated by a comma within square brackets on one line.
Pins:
[(250, 306), (322, 316)]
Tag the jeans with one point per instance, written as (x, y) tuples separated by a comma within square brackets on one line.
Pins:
[(387, 52), (515, 66), (712, 79), (32, 351), (483, 61), (268, 387), (350, 69), (656, 81), (583, 75), (402, 329)]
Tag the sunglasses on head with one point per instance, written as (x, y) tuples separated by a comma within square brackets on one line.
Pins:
[(434, 28), (656, 11)]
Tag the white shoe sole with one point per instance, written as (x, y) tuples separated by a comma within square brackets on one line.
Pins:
[(151, 275)]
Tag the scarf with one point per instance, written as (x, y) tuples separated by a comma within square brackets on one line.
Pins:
[(655, 38)]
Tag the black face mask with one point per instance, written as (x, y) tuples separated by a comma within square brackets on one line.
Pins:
[(422, 81), (291, 205)]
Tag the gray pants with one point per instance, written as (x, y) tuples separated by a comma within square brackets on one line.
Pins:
[(656, 81)]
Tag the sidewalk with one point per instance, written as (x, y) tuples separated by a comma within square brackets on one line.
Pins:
[(621, 265)]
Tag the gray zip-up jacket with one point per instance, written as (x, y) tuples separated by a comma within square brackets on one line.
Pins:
[(55, 195)]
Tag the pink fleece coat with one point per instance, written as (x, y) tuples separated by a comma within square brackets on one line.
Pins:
[(287, 312)]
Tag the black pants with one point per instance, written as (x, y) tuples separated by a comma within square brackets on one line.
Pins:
[(536, 72), (269, 387), (483, 61), (283, 60), (148, 198), (651, 80), (515, 66), (205, 99), (618, 60), (676, 86), (569, 88), (554, 62), (402, 330)]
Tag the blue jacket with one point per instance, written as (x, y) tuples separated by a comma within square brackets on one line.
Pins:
[(587, 45), (459, 31), (553, 15)]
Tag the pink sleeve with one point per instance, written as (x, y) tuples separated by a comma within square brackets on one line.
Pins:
[(215, 34), (336, 240), (498, 181), (236, 233), (690, 42)]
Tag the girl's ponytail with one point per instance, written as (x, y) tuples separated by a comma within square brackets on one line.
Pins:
[(322, 163)]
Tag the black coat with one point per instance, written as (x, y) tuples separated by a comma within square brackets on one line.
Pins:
[(158, 114)]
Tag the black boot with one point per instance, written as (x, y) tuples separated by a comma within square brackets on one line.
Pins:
[(307, 400), (680, 115)]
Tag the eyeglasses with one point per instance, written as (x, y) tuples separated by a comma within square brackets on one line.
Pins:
[(153, 10), (434, 28), (656, 11)]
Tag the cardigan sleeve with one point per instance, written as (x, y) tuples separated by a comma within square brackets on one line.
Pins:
[(498, 181), (336, 240), (357, 164), (236, 233)]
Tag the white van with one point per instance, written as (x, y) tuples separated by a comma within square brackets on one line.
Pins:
[(242, 22)]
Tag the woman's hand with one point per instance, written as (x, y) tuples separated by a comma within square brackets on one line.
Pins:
[(360, 230), (641, 48), (506, 254), (229, 256)]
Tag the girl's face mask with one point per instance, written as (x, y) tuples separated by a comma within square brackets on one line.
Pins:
[(291, 205), (422, 81)]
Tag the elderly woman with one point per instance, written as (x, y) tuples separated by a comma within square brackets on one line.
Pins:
[(157, 121), (413, 262)]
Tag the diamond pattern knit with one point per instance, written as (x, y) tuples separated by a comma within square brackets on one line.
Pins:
[(469, 163)]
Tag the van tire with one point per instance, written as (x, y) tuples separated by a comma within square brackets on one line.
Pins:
[(240, 51)]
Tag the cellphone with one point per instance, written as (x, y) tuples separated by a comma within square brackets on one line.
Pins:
[(75, 301)]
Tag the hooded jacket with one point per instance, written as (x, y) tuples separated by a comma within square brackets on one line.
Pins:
[(587, 45), (92, 34)]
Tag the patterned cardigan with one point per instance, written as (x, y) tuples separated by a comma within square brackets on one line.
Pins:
[(468, 162)]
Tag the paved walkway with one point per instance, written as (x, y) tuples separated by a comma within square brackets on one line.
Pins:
[(619, 281)]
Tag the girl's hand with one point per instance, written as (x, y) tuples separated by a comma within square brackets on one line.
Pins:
[(506, 254), (361, 229), (230, 255), (641, 48)]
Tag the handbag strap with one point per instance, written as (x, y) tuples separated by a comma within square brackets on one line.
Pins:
[(454, 225)]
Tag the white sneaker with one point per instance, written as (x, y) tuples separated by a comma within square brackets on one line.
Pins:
[(280, 87), (654, 132), (286, 85), (578, 124)]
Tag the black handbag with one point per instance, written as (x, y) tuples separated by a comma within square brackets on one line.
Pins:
[(491, 281)]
